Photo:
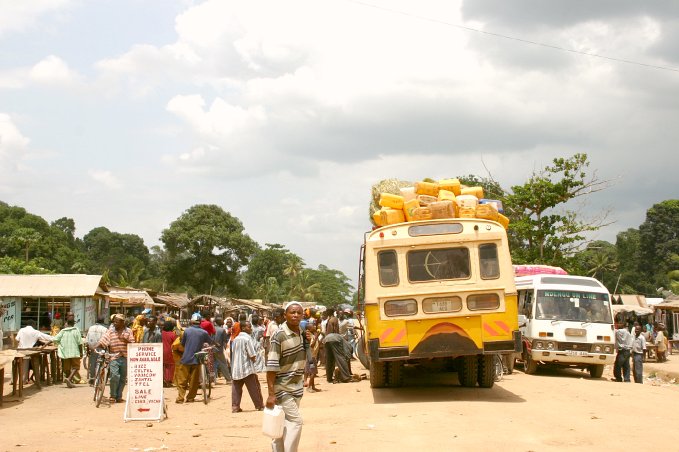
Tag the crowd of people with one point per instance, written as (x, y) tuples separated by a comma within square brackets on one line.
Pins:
[(287, 349)]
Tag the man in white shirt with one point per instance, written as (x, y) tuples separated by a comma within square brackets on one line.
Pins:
[(94, 334), (27, 337), (638, 348)]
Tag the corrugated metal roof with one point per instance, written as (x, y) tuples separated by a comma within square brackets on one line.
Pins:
[(47, 286), (129, 296)]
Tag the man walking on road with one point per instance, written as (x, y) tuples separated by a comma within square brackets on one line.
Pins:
[(70, 351), (188, 375), (116, 340), (285, 376), (243, 356), (638, 349), (623, 345)]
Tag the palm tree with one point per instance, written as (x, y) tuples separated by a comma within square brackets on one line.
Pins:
[(294, 268), (305, 290), (601, 263)]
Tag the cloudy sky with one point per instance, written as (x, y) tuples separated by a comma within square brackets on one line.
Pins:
[(125, 113)]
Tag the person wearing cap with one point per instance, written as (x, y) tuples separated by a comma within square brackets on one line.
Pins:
[(188, 375), (285, 376), (116, 341)]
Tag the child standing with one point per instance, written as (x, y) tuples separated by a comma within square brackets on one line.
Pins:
[(310, 369)]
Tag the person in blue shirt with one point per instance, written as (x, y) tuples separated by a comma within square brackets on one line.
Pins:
[(188, 372)]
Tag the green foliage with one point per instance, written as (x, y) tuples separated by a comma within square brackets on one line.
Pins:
[(659, 243), (124, 255), (266, 273), (543, 230), (206, 248), (324, 286), (16, 266)]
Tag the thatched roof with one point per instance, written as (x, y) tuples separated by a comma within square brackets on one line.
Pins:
[(174, 300)]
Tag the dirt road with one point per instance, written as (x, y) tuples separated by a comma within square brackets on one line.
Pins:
[(552, 410)]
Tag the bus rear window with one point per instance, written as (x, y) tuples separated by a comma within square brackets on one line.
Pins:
[(388, 265), (488, 261), (437, 264)]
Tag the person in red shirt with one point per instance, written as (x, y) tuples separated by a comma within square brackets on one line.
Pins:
[(206, 324)]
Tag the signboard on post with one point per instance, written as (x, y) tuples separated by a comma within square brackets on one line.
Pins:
[(144, 383), (9, 307)]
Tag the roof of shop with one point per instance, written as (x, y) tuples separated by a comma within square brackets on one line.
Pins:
[(49, 286)]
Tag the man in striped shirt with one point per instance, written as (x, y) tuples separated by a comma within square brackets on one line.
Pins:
[(285, 376), (116, 340)]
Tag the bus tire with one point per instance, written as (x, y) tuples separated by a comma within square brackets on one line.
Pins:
[(361, 353), (378, 374), (467, 371), (395, 374), (486, 371), (596, 370), (530, 366)]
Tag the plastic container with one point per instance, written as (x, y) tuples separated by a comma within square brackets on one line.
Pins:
[(425, 200), (377, 218), (466, 212), (504, 221), (467, 202), (273, 422), (421, 213), (445, 195), (392, 216), (409, 207), (389, 200), (442, 209), (493, 202), (486, 211), (427, 188), (476, 191), (452, 185), (408, 193)]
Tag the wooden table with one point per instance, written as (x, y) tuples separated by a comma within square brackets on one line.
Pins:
[(6, 359), (651, 353)]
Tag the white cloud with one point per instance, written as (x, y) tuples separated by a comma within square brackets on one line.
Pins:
[(52, 70), (106, 178), (18, 15), (13, 150)]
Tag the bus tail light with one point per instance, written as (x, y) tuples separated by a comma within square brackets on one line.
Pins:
[(486, 301)]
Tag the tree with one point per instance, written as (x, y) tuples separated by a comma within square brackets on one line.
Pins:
[(659, 243), (542, 233), (333, 286), (270, 262), (294, 269), (25, 238), (121, 254), (206, 248)]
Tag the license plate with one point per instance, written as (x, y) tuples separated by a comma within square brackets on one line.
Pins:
[(442, 306), (576, 353)]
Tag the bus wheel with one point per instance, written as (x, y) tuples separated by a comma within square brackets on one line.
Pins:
[(530, 366), (486, 372), (596, 370), (395, 374), (378, 374), (467, 371)]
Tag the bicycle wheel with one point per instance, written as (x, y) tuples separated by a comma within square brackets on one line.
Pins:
[(96, 383), (204, 381), (499, 369), (101, 385)]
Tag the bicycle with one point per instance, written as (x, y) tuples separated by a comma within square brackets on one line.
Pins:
[(499, 367), (204, 374), (101, 375)]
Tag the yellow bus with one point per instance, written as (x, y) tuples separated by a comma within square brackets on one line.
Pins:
[(438, 290)]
